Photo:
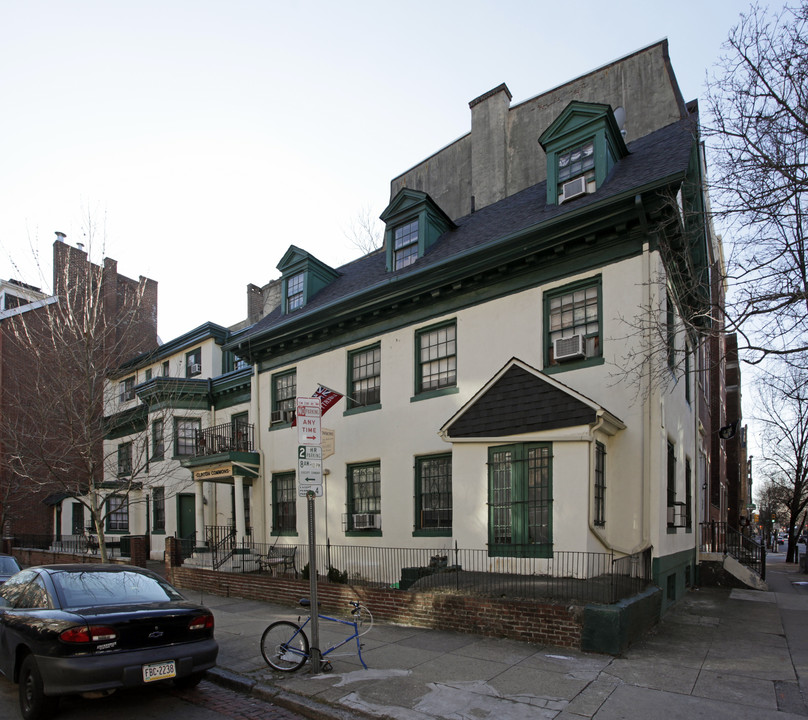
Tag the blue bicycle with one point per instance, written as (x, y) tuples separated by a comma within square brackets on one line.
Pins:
[(285, 645)]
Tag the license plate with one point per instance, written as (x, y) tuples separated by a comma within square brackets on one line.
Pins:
[(159, 671)]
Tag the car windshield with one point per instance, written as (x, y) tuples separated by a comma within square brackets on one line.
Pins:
[(8, 565), (88, 588)]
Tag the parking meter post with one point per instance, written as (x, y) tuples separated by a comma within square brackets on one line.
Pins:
[(315, 624)]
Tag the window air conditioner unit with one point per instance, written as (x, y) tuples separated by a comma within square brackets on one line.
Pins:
[(196, 368), (573, 189), (569, 348), (677, 517), (366, 521), (288, 415), (275, 416)]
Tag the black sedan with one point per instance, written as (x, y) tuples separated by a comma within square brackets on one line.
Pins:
[(90, 629)]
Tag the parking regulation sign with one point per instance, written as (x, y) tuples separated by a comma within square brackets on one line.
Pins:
[(308, 412), (310, 470)]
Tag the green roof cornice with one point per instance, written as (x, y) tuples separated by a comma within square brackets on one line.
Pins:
[(204, 332)]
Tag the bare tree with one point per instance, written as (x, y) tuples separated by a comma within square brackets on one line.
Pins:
[(758, 142), (56, 403), (783, 417), (366, 232)]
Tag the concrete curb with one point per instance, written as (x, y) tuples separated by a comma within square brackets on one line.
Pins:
[(270, 693)]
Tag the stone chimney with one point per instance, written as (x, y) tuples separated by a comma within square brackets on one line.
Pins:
[(489, 122)]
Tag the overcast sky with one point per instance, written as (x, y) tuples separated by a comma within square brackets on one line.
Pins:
[(203, 138)]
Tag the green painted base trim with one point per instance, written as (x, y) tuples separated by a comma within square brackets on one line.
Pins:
[(674, 573), (612, 628)]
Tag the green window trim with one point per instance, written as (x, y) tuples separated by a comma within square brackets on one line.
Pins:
[(600, 484), (284, 398), (158, 510), (193, 363), (364, 378), (433, 496), (520, 500), (125, 451), (186, 430), (284, 504), (158, 440), (363, 496), (436, 359), (568, 312), (116, 514), (295, 292)]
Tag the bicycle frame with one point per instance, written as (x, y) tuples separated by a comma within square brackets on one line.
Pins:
[(356, 635), (287, 649)]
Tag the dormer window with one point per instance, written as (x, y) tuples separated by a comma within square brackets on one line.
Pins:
[(582, 144), (303, 277), (405, 245), (575, 162), (294, 292), (414, 222)]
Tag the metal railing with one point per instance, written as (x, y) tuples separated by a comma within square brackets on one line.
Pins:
[(719, 537), (80, 544), (583, 577), (228, 437)]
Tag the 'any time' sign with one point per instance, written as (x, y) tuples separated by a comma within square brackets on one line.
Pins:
[(308, 412)]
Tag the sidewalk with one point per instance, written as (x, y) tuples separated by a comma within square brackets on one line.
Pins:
[(720, 654)]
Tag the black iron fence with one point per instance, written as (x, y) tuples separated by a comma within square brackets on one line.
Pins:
[(81, 544), (719, 537), (584, 577)]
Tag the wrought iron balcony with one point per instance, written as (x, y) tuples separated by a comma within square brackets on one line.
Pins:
[(230, 437)]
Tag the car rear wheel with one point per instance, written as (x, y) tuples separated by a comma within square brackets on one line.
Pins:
[(34, 704)]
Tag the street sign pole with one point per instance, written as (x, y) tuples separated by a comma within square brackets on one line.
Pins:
[(315, 625), (310, 484)]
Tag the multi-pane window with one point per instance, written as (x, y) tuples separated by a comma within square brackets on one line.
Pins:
[(688, 495), (294, 292), (117, 514), (573, 315), (284, 504), (520, 500), (124, 459), (166, 369), (193, 363), (158, 440), (364, 495), (671, 481), (127, 389), (405, 245), (600, 484), (284, 393), (577, 161), (433, 493), (77, 519), (186, 432), (365, 382), (158, 509), (437, 357)]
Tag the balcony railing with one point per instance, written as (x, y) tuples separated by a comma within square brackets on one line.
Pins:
[(229, 437)]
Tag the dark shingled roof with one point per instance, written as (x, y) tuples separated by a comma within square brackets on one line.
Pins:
[(520, 402), (653, 160)]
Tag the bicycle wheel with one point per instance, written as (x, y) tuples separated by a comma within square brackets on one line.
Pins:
[(285, 646)]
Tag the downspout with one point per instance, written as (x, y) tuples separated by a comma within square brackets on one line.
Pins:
[(645, 491), (255, 414)]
